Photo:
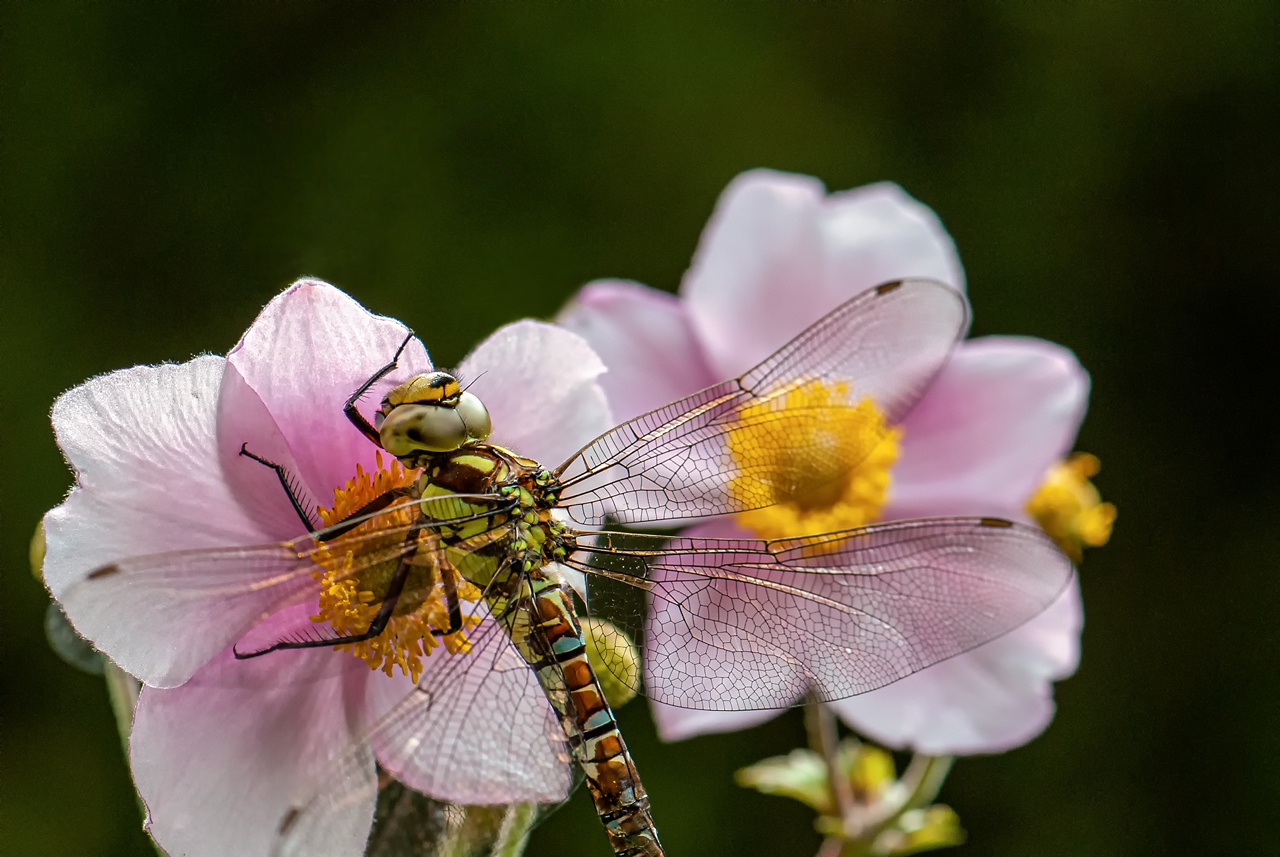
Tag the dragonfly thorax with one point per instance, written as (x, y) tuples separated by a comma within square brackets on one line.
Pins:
[(430, 413), (533, 535)]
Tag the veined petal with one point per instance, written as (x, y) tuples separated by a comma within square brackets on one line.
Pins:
[(540, 384), (644, 338), (1001, 411), (220, 760), (308, 351), (142, 443), (989, 700), (879, 232), (245, 423), (778, 254)]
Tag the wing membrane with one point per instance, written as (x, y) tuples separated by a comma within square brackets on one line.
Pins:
[(674, 462), (746, 624), (168, 594), (477, 729)]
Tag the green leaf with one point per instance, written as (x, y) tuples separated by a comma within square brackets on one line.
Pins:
[(920, 830), (801, 774)]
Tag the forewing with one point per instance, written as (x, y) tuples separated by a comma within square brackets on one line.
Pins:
[(477, 729), (672, 463), (134, 609), (211, 597), (736, 625)]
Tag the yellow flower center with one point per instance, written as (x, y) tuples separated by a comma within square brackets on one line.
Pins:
[(1069, 508), (352, 588), (813, 462)]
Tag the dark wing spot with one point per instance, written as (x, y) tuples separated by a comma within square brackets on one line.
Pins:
[(105, 571), (885, 288), (995, 522), (289, 818)]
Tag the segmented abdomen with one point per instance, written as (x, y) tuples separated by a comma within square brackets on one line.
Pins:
[(555, 648)]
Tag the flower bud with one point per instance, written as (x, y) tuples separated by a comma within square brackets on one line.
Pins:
[(614, 658)]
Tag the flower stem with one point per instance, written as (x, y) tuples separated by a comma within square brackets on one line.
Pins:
[(860, 829), (820, 723), (517, 824), (122, 689), (922, 781)]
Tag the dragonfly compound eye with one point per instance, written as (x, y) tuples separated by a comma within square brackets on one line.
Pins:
[(475, 415), (430, 428)]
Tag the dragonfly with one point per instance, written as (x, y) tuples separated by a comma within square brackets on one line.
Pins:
[(723, 624)]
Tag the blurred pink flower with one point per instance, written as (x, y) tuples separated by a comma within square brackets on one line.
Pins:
[(220, 747), (777, 255)]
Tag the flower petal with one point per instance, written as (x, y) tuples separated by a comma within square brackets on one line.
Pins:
[(778, 255), (1002, 410), (989, 700), (308, 351), (644, 338), (142, 443), (245, 423), (220, 760), (540, 384)]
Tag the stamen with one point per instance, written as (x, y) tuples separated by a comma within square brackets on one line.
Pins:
[(813, 461), (352, 588), (1069, 507)]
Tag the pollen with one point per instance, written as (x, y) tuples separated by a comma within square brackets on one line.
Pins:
[(812, 461), (1069, 507), (356, 570)]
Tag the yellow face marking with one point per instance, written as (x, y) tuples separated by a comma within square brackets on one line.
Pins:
[(425, 389)]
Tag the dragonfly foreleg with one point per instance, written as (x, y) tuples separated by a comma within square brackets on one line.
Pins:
[(359, 516), (376, 627), (353, 413), (286, 482), (449, 579)]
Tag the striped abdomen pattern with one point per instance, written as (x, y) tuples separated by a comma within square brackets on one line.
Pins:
[(556, 650)]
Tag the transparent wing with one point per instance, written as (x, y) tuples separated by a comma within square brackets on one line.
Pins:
[(379, 556), (242, 585), (735, 625), (477, 729), (886, 345)]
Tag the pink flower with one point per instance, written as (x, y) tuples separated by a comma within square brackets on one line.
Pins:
[(777, 255), (220, 747)]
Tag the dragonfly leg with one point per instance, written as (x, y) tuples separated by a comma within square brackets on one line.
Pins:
[(353, 413), (448, 577), (286, 482), (376, 627), (359, 516)]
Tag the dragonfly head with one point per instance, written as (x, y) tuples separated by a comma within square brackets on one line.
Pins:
[(430, 413)]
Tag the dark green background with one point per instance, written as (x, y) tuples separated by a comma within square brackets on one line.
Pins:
[(1110, 172)]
